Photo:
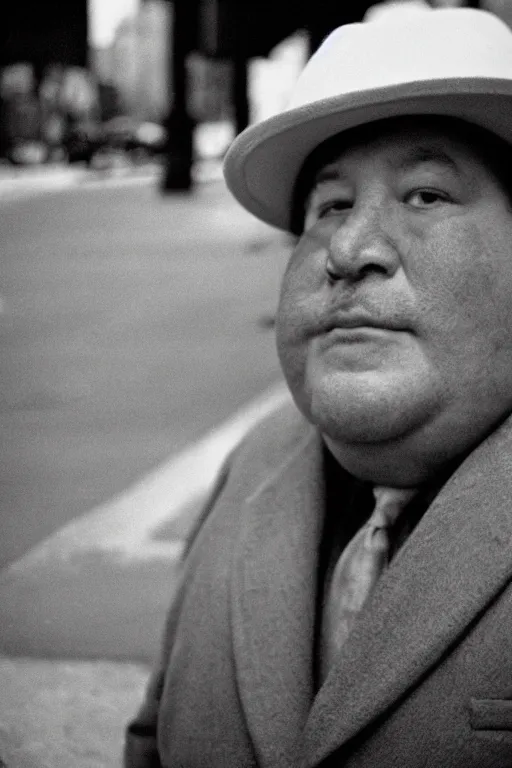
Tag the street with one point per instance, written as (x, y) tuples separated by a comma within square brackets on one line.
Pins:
[(130, 325)]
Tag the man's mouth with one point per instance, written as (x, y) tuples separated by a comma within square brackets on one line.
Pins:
[(360, 320)]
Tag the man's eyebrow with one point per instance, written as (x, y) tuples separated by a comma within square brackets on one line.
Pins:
[(416, 156), (420, 155), (413, 158)]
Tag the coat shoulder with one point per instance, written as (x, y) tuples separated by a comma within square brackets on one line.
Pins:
[(259, 456), (270, 442)]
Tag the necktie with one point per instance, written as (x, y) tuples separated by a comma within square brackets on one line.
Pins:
[(357, 571)]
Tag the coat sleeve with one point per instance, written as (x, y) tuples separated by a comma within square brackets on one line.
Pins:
[(141, 750)]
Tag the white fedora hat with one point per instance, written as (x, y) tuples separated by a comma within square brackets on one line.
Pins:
[(453, 62)]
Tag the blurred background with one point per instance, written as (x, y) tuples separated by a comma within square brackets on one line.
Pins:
[(106, 81), (137, 306)]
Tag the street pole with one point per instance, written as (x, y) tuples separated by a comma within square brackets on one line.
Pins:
[(177, 172), (240, 92)]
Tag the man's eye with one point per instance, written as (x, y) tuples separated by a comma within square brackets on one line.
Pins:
[(332, 207), (321, 210), (427, 198)]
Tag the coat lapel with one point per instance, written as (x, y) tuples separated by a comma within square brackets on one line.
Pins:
[(450, 567), (273, 601)]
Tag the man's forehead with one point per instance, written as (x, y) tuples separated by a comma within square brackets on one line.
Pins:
[(403, 147)]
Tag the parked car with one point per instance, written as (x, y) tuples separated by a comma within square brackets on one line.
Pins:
[(82, 140), (131, 135)]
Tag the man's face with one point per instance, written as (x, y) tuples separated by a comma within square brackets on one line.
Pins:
[(395, 315)]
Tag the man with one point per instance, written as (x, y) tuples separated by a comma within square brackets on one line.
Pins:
[(346, 599)]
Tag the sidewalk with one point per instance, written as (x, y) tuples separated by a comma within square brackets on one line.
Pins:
[(19, 181), (60, 714)]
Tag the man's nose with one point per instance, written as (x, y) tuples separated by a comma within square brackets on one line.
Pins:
[(362, 246)]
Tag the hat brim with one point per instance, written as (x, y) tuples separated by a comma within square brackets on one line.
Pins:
[(263, 163)]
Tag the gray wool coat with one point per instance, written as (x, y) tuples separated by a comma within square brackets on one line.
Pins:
[(425, 679)]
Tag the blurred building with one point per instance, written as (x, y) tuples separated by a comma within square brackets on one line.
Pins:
[(34, 37), (272, 78), (136, 62), (43, 33)]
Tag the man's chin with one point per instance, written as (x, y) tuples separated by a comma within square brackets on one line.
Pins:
[(367, 412)]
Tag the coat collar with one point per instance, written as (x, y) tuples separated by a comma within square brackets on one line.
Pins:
[(273, 601), (451, 566)]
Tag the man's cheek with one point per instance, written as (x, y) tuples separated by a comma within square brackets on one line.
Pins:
[(294, 363), (308, 258), (293, 330), (303, 293), (288, 332), (294, 301), (451, 275)]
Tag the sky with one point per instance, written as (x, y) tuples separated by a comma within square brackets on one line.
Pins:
[(105, 15)]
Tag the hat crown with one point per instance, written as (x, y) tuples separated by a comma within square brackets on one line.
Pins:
[(394, 49)]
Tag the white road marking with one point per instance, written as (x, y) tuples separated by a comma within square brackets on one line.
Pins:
[(123, 527)]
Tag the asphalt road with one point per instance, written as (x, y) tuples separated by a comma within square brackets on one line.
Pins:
[(130, 325)]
